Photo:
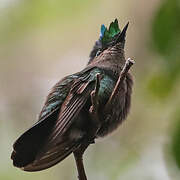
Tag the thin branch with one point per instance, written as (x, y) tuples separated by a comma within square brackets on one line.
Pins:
[(78, 155), (127, 66)]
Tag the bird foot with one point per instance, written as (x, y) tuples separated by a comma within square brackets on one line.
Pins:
[(94, 95), (94, 107)]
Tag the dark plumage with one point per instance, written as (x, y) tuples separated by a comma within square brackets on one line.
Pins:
[(80, 108)]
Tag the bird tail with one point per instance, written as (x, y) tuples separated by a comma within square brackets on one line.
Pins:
[(29, 153)]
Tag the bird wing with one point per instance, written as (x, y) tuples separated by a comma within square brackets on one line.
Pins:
[(76, 99), (44, 144), (30, 142)]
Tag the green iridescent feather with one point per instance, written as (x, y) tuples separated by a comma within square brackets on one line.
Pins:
[(109, 34)]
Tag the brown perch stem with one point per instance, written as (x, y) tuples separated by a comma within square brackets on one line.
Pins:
[(127, 66), (78, 155)]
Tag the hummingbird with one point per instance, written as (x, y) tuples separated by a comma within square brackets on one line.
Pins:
[(80, 107)]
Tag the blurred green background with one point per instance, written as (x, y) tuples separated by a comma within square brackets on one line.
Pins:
[(41, 41)]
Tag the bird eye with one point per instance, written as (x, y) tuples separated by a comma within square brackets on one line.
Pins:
[(98, 53)]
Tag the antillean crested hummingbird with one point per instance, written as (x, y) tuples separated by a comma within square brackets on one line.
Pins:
[(81, 107)]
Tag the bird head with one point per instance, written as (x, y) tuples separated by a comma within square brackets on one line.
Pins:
[(109, 37)]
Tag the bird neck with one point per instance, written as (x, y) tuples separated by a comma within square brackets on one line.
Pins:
[(111, 59)]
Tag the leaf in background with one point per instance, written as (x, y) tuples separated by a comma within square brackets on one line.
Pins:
[(166, 28), (23, 16), (160, 85), (175, 145), (166, 41)]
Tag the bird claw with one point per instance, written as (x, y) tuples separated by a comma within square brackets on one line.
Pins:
[(94, 95)]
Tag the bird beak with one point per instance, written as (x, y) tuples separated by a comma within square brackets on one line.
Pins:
[(122, 35)]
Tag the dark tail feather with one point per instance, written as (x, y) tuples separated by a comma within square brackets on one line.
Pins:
[(30, 143), (52, 157), (32, 152)]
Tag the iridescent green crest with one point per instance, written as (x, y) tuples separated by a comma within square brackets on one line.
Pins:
[(107, 35)]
